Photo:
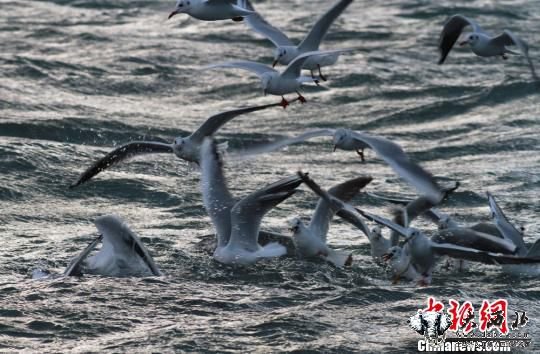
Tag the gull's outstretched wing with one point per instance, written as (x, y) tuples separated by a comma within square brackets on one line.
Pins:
[(505, 227), (404, 231), (252, 66), (473, 239), (269, 147), (121, 154), (217, 199), (215, 122), (342, 209), (507, 38), (295, 67), (413, 173), (433, 214), (534, 251), (323, 212), (480, 256), (74, 267), (451, 31), (318, 32), (247, 214), (257, 23)]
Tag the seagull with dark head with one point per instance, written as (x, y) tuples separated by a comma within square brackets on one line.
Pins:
[(210, 10), (481, 43)]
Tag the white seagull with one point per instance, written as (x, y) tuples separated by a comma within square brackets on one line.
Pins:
[(379, 244), (122, 252), (311, 240), (237, 224), (346, 139), (210, 10), (187, 148), (423, 251), (481, 43), (286, 51), (274, 82)]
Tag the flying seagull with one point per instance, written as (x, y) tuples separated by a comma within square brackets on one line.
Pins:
[(273, 82), (481, 43), (210, 10), (286, 51), (187, 148)]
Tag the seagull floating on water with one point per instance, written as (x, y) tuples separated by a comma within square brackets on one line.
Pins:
[(237, 224), (210, 10), (286, 51), (311, 240), (423, 251), (379, 245), (480, 42), (122, 252)]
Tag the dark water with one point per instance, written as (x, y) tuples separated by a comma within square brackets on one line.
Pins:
[(79, 77)]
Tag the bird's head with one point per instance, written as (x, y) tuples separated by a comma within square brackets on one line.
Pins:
[(393, 253), (182, 6), (179, 145), (376, 232), (279, 54), (470, 38), (295, 225), (339, 137)]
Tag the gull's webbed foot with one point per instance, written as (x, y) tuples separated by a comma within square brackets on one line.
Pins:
[(284, 103), (301, 98)]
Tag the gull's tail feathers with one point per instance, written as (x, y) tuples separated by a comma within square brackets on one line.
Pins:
[(271, 250), (339, 258)]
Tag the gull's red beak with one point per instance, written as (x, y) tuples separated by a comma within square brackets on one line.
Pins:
[(274, 63), (386, 257), (461, 44), (172, 14)]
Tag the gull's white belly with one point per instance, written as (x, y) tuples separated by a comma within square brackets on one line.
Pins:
[(310, 246), (486, 50), (281, 86)]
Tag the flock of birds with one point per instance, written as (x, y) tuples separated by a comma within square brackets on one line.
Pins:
[(409, 253)]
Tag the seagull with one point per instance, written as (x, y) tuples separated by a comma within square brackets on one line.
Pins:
[(187, 148), (379, 245), (122, 252), (276, 83), (311, 240), (237, 224), (401, 266), (286, 51), (210, 10), (423, 251), (480, 42), (387, 150), (511, 233)]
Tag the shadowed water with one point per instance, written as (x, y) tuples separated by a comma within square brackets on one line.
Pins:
[(80, 77)]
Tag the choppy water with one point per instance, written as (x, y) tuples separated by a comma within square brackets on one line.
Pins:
[(78, 77)]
